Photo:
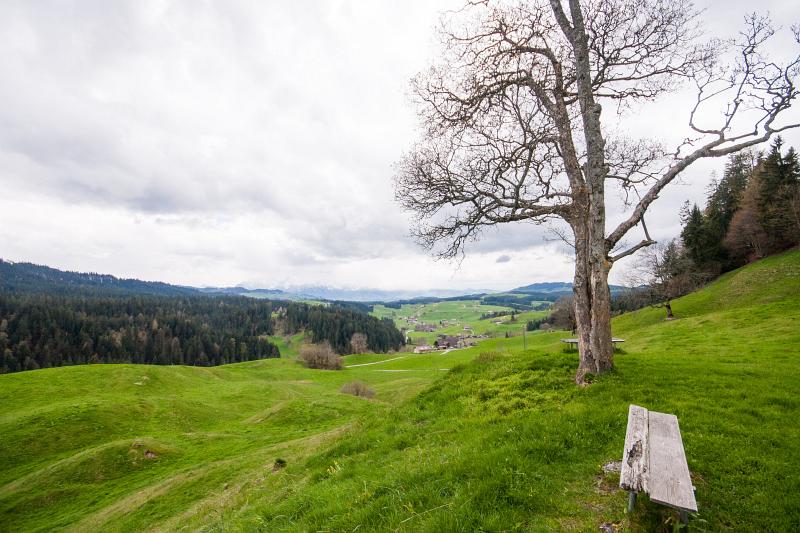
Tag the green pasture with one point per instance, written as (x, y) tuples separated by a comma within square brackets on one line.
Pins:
[(432, 313), (506, 441), (464, 312), (126, 447), (289, 345), (491, 438)]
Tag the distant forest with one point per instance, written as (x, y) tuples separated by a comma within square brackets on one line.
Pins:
[(51, 318), (751, 212), (41, 331), (336, 325), (28, 278)]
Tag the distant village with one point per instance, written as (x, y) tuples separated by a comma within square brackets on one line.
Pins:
[(443, 341)]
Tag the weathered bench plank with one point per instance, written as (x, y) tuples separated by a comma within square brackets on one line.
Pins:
[(668, 479), (633, 476)]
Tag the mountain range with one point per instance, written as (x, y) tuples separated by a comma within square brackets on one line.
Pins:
[(29, 277)]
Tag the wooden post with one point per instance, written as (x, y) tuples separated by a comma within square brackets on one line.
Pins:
[(631, 501)]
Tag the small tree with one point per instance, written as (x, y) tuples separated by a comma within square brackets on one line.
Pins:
[(358, 388), (563, 314), (667, 272), (320, 356), (358, 343)]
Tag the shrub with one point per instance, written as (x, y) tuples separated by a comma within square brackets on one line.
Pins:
[(320, 356), (357, 388)]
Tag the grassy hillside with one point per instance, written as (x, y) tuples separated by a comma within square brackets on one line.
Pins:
[(503, 441), (507, 442)]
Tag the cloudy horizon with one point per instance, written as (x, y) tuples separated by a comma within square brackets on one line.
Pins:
[(243, 143)]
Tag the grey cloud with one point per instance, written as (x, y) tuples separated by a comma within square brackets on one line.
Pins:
[(127, 122), (503, 259), (199, 116)]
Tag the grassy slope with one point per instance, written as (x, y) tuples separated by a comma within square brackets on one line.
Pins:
[(508, 443), (74, 440), (288, 345), (504, 442)]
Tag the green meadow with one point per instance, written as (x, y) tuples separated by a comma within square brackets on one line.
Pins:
[(463, 313), (491, 438)]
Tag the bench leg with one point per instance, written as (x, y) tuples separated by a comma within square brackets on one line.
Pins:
[(631, 501), (684, 514)]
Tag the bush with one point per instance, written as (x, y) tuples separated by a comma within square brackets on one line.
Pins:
[(357, 388), (320, 356)]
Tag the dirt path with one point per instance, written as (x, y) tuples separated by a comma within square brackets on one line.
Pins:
[(377, 362), (412, 370)]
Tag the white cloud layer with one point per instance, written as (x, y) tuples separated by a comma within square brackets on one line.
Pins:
[(220, 143)]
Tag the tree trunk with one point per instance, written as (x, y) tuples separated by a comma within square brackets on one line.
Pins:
[(592, 300), (592, 314), (582, 299), (602, 349), (670, 316), (592, 297), (590, 287)]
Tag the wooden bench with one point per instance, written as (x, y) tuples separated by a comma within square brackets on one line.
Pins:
[(654, 461), (573, 343)]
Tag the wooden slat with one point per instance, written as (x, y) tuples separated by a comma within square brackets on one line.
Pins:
[(669, 482), (634, 472)]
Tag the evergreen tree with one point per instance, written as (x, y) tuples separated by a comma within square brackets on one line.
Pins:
[(778, 188), (698, 238), (704, 231)]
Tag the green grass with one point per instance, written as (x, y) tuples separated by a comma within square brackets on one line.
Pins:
[(74, 439), (507, 442), (492, 438), (464, 312), (288, 345)]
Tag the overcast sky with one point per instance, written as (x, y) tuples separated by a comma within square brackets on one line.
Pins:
[(224, 143)]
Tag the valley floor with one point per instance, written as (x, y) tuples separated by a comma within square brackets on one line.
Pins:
[(492, 438)]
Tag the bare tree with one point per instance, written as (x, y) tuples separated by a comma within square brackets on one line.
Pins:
[(358, 343), (512, 129), (320, 356), (563, 314), (665, 272)]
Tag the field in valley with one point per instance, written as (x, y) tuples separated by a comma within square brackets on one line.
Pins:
[(450, 318), (491, 438)]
